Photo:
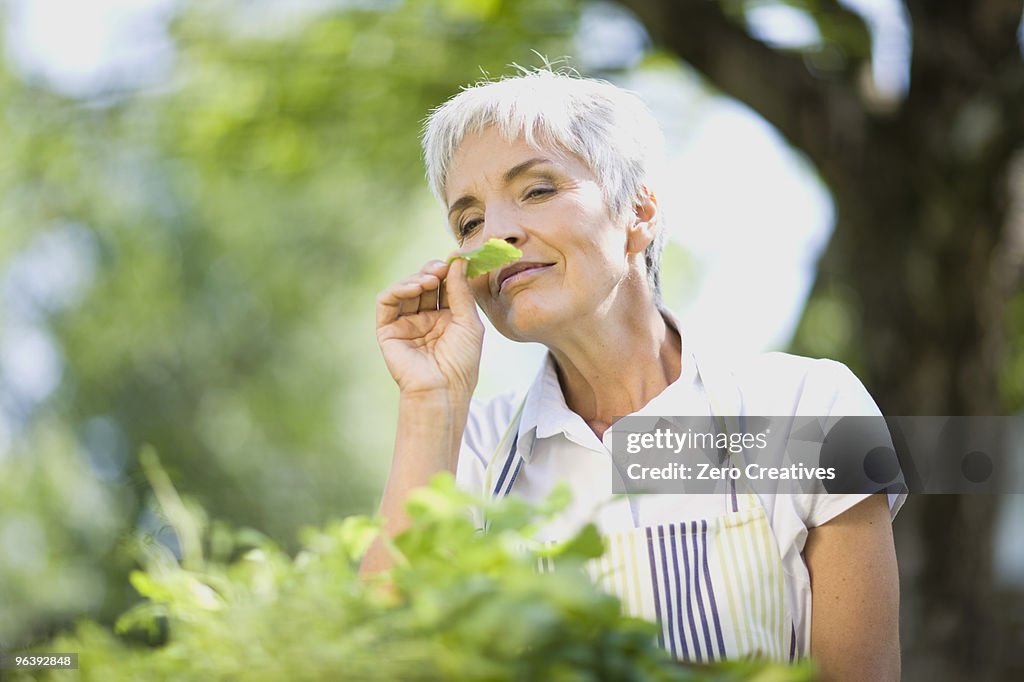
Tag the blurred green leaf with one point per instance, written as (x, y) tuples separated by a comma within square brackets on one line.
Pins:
[(267, 616)]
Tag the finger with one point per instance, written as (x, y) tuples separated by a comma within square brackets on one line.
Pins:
[(387, 307), (428, 301), (411, 287), (386, 312), (437, 268), (431, 285), (460, 298), (422, 289), (409, 306), (398, 299)]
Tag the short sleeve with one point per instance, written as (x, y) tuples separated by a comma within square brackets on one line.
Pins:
[(832, 390)]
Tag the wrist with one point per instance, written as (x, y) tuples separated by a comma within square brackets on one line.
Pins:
[(435, 422), (435, 398)]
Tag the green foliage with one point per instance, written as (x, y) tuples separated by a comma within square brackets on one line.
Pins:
[(493, 254), (458, 605), (828, 326), (236, 223), (58, 525)]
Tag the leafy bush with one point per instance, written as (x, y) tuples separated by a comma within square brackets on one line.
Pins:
[(458, 605), (58, 524)]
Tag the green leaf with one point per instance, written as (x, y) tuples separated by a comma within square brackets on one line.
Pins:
[(142, 617), (493, 254), (586, 544), (151, 588)]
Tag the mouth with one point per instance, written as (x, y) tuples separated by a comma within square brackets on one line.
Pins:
[(516, 271)]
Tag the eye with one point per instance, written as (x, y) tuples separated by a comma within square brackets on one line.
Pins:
[(468, 226), (538, 192)]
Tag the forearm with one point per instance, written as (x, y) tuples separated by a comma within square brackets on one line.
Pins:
[(427, 441)]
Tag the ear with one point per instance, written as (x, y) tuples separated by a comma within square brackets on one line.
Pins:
[(645, 223)]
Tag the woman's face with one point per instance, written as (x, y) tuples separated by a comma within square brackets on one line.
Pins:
[(549, 205)]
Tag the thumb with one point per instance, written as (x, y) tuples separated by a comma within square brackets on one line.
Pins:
[(459, 295)]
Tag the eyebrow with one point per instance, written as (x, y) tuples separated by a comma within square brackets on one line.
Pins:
[(510, 175)]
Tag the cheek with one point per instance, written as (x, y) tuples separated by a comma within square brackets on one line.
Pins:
[(480, 291)]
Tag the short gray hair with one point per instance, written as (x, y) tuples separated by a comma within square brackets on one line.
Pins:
[(609, 128)]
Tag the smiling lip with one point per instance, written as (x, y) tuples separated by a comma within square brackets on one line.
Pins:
[(519, 267)]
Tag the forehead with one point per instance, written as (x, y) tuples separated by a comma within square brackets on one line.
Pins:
[(484, 156)]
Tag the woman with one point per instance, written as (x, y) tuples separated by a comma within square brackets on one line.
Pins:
[(558, 166)]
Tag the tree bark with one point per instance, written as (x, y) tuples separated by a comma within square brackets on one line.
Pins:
[(922, 192)]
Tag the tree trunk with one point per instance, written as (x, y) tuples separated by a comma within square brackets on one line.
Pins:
[(923, 192)]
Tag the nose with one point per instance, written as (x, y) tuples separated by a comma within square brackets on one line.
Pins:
[(501, 222)]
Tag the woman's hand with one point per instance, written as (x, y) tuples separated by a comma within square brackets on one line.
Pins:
[(430, 332), (431, 335)]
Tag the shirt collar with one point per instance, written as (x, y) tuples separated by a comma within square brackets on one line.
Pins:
[(545, 412)]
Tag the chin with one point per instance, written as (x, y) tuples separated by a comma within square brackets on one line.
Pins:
[(528, 323)]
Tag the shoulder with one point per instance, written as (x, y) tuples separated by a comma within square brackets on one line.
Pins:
[(778, 384), (782, 383)]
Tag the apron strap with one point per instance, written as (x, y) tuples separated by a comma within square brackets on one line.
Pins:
[(513, 462), (726, 404), (511, 453)]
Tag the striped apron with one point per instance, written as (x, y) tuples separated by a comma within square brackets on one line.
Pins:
[(713, 585)]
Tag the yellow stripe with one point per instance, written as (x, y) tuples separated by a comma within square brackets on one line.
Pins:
[(758, 580), (770, 620), (729, 566), (618, 547), (751, 587), (780, 590), (636, 574), (763, 576)]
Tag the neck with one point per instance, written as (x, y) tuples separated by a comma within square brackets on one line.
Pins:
[(612, 365)]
